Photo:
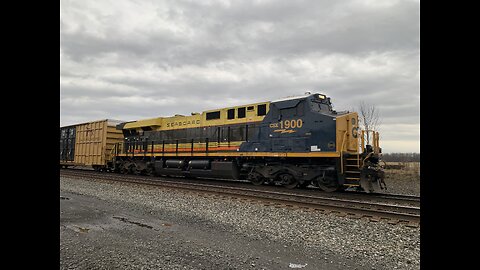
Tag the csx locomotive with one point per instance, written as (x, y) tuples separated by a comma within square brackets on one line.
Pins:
[(294, 142)]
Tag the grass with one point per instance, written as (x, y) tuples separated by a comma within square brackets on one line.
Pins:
[(403, 178)]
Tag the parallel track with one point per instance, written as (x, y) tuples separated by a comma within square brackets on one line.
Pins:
[(374, 207)]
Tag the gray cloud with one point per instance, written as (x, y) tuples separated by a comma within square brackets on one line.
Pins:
[(138, 59)]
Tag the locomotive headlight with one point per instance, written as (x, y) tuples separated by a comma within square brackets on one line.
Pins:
[(320, 96)]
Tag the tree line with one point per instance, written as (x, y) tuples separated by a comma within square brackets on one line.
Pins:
[(401, 157)]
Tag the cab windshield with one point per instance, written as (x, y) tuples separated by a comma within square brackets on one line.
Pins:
[(323, 102)]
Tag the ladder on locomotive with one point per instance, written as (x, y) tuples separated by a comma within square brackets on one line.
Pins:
[(351, 170), (353, 163)]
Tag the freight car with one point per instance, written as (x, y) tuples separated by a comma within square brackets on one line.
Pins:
[(89, 144), (294, 142)]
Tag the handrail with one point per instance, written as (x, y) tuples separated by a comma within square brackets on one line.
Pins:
[(358, 159), (341, 150), (358, 152), (375, 142), (363, 140), (369, 154), (384, 163)]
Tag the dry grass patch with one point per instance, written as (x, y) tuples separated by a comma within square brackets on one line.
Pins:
[(403, 177)]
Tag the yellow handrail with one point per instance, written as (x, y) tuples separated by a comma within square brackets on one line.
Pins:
[(341, 150), (373, 141), (358, 159), (363, 140), (369, 154)]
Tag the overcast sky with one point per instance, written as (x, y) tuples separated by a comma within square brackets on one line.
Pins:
[(129, 60)]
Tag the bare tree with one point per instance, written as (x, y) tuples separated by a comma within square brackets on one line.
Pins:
[(369, 117)]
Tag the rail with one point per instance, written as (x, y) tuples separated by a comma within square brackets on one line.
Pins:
[(394, 210)]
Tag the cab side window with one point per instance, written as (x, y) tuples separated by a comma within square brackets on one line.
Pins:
[(262, 109)]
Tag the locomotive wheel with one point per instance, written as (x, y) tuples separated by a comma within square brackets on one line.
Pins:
[(271, 182), (256, 178), (287, 180), (127, 168), (328, 183), (304, 184), (150, 171), (138, 170)]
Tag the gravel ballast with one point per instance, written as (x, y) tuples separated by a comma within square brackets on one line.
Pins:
[(105, 225)]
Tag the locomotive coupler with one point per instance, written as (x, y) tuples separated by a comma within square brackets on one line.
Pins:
[(371, 176)]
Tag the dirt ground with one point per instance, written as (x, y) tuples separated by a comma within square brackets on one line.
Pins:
[(405, 180), (100, 234)]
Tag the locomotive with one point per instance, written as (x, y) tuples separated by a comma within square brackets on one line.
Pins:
[(294, 142)]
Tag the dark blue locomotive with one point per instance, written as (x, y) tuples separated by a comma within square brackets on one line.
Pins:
[(295, 141)]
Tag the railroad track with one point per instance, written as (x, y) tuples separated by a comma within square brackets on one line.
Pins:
[(372, 207)]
